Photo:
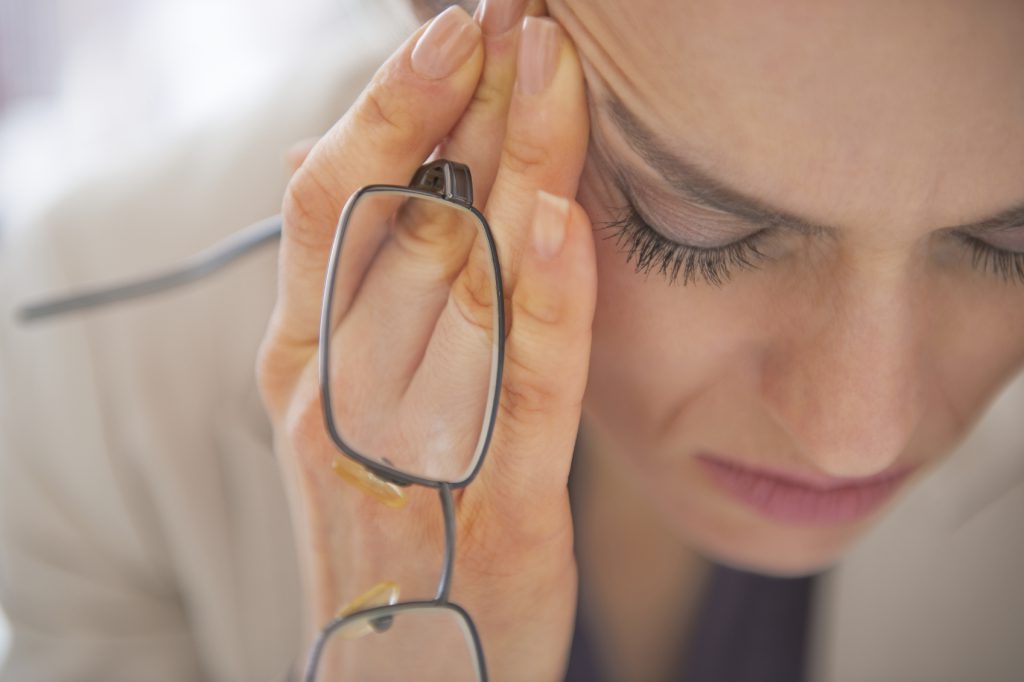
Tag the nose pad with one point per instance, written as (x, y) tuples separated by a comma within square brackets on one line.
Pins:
[(851, 395)]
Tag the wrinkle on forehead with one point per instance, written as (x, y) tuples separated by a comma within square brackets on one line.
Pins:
[(888, 113)]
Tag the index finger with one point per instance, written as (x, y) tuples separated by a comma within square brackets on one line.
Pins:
[(413, 101)]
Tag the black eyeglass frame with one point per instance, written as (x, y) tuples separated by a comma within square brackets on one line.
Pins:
[(451, 182)]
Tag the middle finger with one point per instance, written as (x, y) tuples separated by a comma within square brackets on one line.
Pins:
[(477, 138)]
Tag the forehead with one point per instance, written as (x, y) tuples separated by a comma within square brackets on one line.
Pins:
[(879, 113)]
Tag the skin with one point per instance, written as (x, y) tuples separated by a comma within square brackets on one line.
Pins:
[(872, 345), (867, 343)]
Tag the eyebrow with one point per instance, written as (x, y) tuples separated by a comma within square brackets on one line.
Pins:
[(690, 181)]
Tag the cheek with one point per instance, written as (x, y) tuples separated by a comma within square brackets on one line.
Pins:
[(665, 356), (978, 334), (656, 349)]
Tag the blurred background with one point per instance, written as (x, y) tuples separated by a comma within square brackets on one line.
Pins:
[(83, 82), (88, 83)]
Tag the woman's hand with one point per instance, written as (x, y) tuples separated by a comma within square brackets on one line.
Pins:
[(521, 126)]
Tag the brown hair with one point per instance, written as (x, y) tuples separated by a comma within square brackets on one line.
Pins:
[(425, 9)]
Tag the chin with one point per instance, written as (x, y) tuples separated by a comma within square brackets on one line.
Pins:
[(789, 563)]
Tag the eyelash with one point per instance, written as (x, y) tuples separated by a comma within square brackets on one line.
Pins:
[(648, 250), (1006, 264)]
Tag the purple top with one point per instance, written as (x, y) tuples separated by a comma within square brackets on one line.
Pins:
[(748, 628)]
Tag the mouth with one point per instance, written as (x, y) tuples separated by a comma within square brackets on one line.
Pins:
[(803, 498)]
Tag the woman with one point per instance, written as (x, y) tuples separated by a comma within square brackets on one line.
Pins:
[(823, 352), (811, 296)]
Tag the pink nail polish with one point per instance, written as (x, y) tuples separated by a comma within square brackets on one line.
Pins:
[(499, 16), (538, 55), (446, 44)]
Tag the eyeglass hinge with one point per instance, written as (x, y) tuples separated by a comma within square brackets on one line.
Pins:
[(447, 179)]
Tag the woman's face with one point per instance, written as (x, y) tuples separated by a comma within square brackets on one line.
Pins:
[(848, 185)]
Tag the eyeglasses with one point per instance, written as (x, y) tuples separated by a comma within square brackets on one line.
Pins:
[(411, 350)]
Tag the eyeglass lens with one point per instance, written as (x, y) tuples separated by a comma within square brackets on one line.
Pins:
[(413, 342)]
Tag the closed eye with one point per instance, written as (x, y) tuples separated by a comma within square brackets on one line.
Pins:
[(1009, 265), (648, 250)]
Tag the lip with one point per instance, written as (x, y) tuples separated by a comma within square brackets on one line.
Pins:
[(804, 498)]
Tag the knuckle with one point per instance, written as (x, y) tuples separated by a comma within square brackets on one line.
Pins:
[(306, 433), (525, 392), (537, 308), (384, 114), (428, 229), (474, 297), (296, 205), (490, 96), (268, 377), (521, 155), (267, 366), (308, 207), (275, 378)]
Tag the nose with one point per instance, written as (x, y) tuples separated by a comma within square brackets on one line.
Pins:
[(848, 382)]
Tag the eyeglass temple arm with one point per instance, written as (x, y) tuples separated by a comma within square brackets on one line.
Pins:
[(194, 268), (447, 179)]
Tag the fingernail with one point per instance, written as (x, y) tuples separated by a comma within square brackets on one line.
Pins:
[(296, 154), (498, 16), (550, 217), (538, 55), (446, 44)]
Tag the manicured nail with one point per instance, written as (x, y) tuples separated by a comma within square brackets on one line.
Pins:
[(550, 217), (498, 16), (446, 44), (538, 55)]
